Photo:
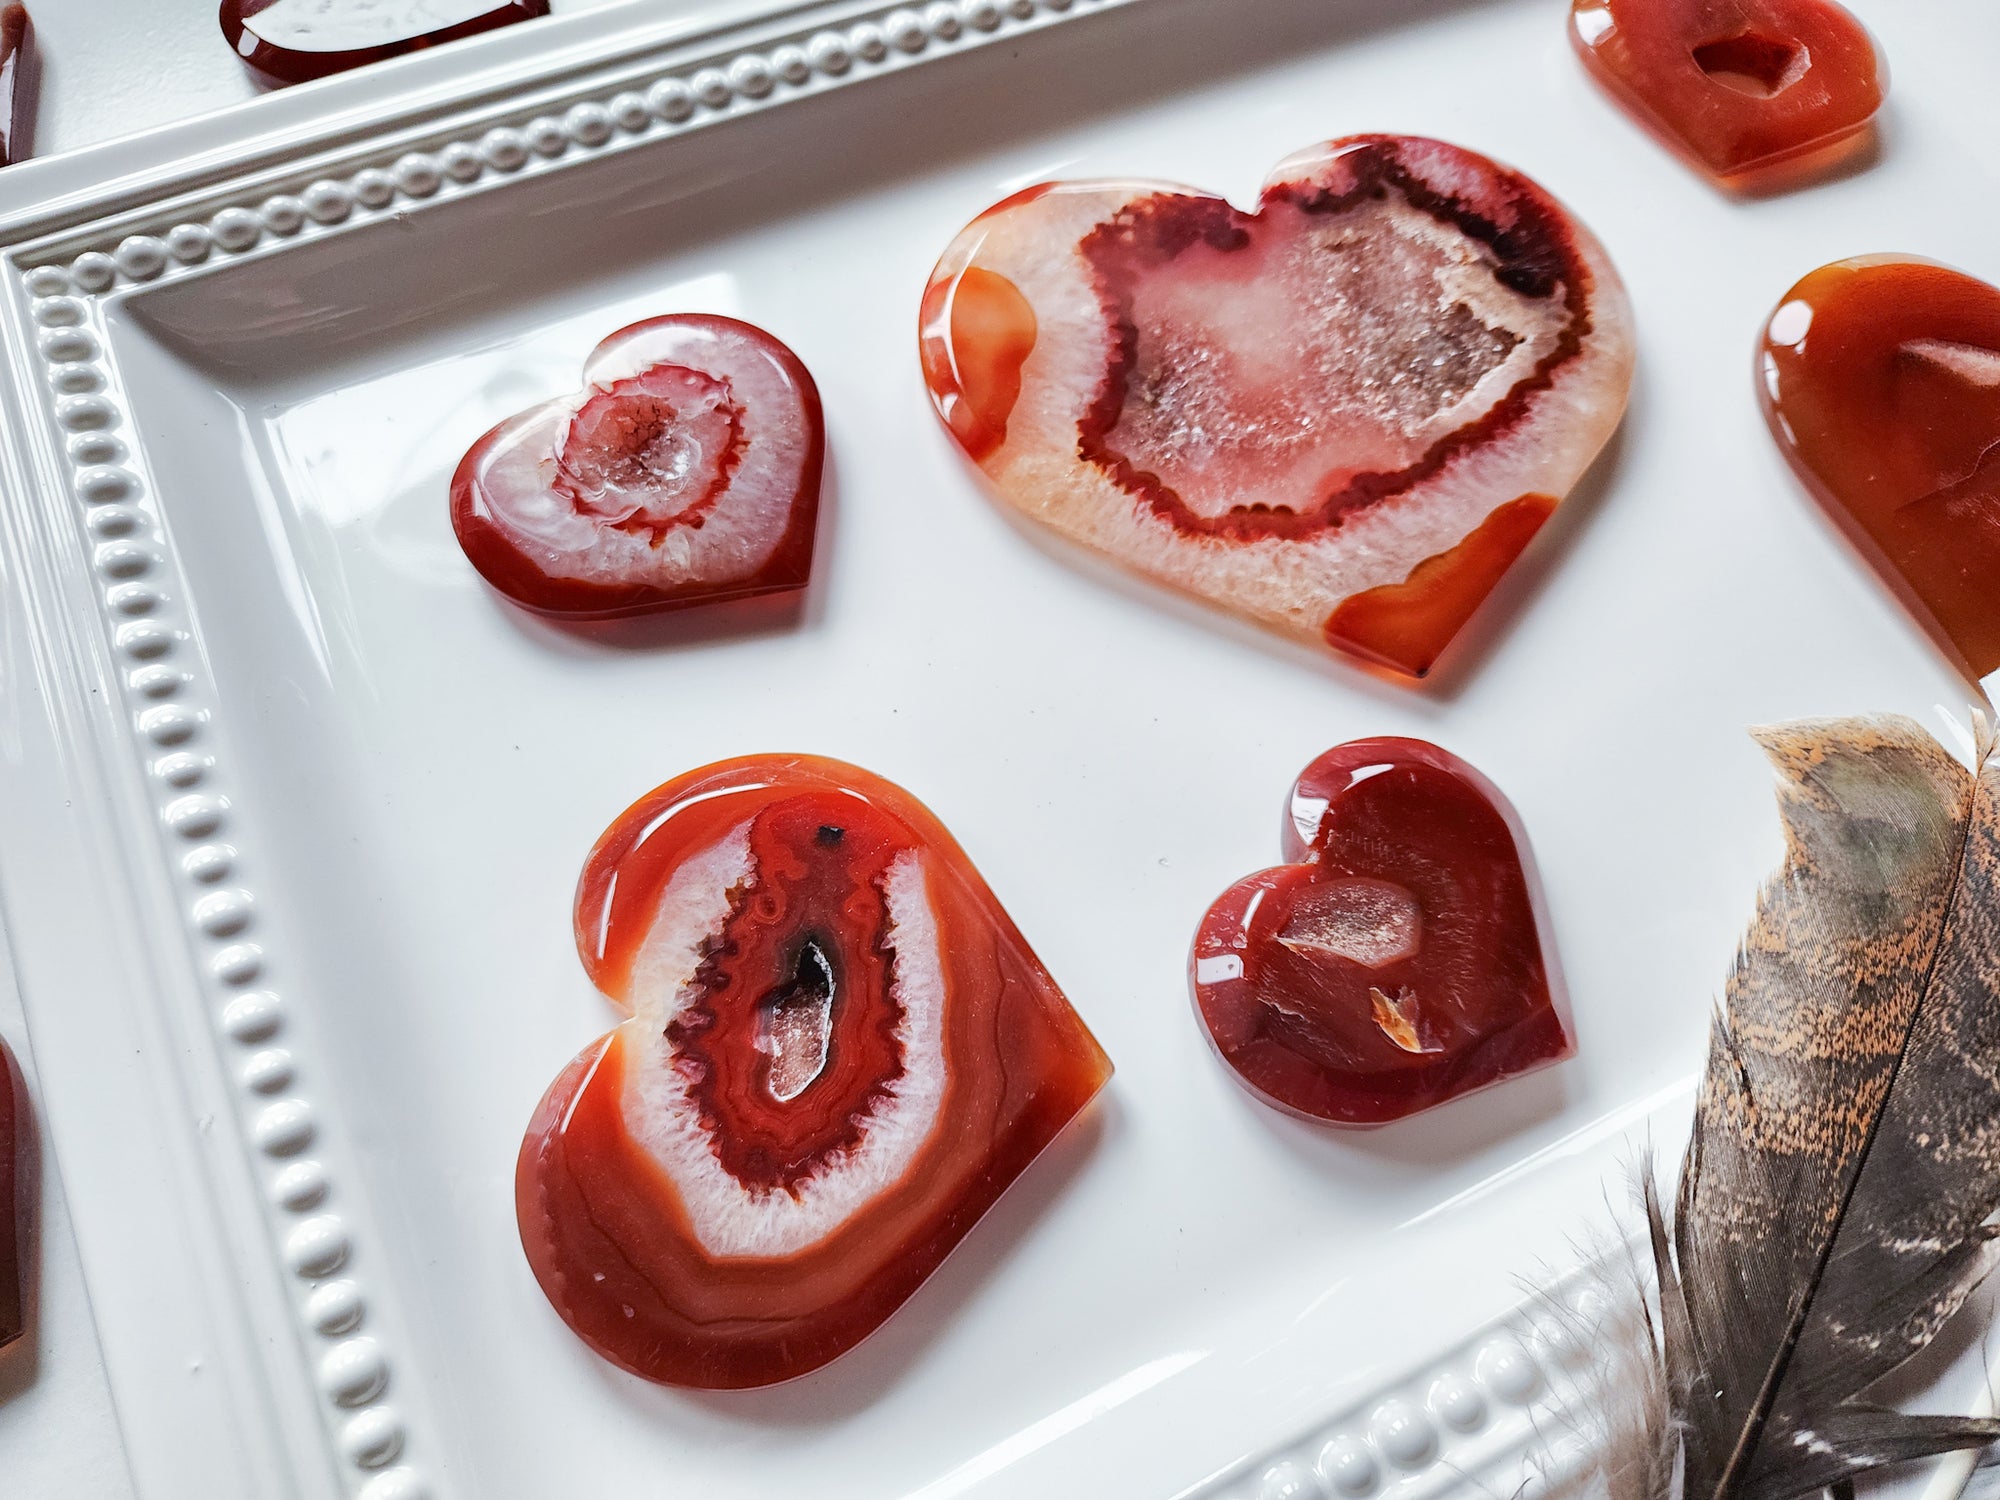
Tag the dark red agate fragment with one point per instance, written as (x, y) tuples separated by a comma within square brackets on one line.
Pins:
[(1344, 415), (840, 1052), (1395, 962), (686, 472), (291, 41), (1746, 88), (17, 84), (15, 1185), (1881, 382)]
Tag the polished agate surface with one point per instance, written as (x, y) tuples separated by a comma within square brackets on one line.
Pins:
[(1343, 415), (1744, 88), (1881, 383), (1394, 961), (687, 471), (15, 1180), (291, 41), (839, 1052)]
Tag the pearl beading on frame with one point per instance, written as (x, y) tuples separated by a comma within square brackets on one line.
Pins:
[(151, 643), (1489, 1403), (689, 97)]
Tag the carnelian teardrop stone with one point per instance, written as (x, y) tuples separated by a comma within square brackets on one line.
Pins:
[(1881, 382)]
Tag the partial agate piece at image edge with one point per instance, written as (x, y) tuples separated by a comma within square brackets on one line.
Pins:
[(16, 1181), (295, 41), (686, 471), (1343, 415), (839, 1053)]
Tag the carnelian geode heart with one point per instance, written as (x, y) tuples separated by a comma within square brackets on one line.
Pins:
[(1343, 415), (1741, 86), (1395, 962), (840, 1052), (1881, 382)]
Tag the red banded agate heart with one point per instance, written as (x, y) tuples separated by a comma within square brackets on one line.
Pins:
[(1741, 86), (291, 41), (1881, 382), (1395, 963), (1343, 415), (687, 471), (840, 1052)]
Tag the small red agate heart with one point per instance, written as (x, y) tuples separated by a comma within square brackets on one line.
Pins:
[(291, 41), (1343, 415), (687, 472), (1741, 86), (840, 1053), (1881, 382), (1395, 963)]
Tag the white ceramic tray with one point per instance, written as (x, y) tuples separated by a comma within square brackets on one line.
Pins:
[(293, 808)]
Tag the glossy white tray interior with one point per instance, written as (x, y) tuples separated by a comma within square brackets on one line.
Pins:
[(1190, 1279)]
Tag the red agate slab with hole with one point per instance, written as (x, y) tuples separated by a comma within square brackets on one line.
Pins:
[(839, 1052), (1881, 383), (1343, 415), (687, 471), (292, 41), (1395, 961), (1743, 87)]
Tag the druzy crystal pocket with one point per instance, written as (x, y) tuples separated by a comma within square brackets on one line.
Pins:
[(840, 1052), (1343, 415)]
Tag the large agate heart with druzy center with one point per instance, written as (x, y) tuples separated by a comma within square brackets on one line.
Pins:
[(1396, 961), (1343, 415), (840, 1052)]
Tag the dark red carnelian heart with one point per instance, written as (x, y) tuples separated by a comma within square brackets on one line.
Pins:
[(291, 41), (1396, 962), (840, 1053), (1741, 86), (14, 1206), (1343, 415), (1881, 382), (686, 472)]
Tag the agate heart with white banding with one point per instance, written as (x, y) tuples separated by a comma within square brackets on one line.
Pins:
[(1343, 415), (686, 472), (840, 1052), (291, 41)]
